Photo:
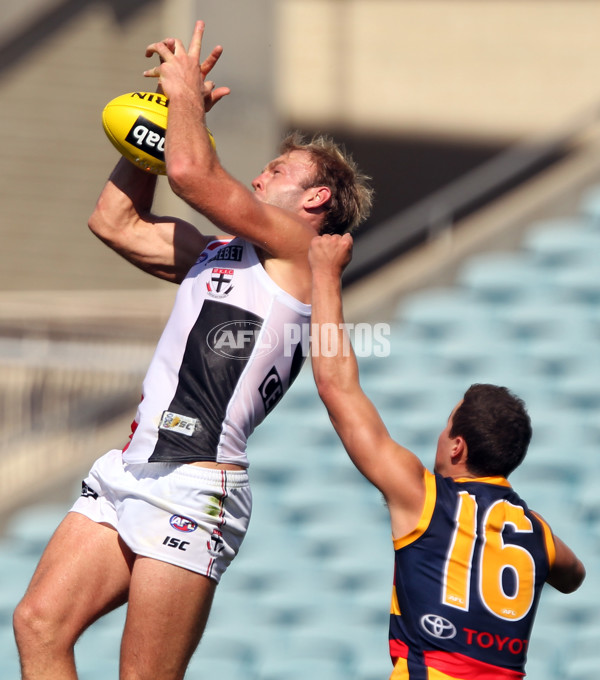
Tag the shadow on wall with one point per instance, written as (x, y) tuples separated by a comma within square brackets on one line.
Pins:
[(53, 17)]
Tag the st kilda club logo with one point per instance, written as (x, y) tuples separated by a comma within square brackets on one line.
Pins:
[(215, 544), (220, 283)]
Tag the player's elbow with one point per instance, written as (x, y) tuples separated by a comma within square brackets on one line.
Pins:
[(568, 580), (182, 174), (97, 223), (325, 389), (323, 379), (177, 174), (577, 577), (330, 392), (109, 224)]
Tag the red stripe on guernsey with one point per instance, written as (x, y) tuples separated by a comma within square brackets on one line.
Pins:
[(216, 244), (398, 650), (461, 666), (133, 427)]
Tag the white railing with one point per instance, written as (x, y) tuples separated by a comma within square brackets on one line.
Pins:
[(62, 404)]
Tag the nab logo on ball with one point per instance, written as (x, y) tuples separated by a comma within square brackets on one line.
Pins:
[(148, 137), (136, 125)]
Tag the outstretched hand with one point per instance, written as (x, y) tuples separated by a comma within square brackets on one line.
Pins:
[(180, 70), (330, 253)]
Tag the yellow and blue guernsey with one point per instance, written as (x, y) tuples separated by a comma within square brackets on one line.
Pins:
[(467, 582)]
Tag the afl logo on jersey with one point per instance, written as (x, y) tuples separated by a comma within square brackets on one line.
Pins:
[(438, 627), (183, 524), (238, 339)]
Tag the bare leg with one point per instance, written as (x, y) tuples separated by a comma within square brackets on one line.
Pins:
[(166, 616), (84, 573)]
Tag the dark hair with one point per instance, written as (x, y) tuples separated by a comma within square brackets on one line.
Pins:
[(496, 428), (351, 195)]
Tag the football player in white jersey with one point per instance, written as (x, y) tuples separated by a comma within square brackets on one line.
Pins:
[(115, 547)]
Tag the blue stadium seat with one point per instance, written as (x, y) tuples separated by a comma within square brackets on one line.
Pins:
[(580, 283), (569, 350), (225, 654), (9, 664), (33, 526), (495, 278), (435, 314), (589, 205), (303, 653), (16, 570), (97, 653), (544, 660), (584, 653), (562, 242)]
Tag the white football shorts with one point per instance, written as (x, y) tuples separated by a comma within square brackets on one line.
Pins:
[(190, 516)]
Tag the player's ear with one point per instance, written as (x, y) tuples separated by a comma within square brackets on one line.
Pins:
[(458, 449), (317, 197)]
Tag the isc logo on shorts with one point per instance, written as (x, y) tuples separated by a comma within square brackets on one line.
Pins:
[(178, 423)]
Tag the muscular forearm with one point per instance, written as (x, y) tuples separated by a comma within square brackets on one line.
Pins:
[(190, 157), (334, 362), (395, 471), (126, 197)]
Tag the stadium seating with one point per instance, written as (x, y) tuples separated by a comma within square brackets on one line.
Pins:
[(308, 596)]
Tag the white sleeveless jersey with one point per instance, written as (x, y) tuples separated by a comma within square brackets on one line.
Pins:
[(234, 343)]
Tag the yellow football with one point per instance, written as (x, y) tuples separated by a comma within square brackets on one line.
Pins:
[(136, 124)]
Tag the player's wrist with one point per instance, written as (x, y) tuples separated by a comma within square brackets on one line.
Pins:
[(330, 278)]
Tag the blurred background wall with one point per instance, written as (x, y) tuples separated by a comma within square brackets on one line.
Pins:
[(420, 90)]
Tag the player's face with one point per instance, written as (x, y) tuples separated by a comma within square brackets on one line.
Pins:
[(284, 181)]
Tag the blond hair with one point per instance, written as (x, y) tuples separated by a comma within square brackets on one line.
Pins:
[(351, 195)]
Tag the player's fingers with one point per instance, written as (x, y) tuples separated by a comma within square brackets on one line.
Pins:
[(208, 64), (152, 72), (215, 95), (196, 42), (163, 50), (347, 239), (219, 93)]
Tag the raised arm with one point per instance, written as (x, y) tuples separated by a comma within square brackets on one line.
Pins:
[(393, 469), (193, 167), (162, 246), (165, 247)]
